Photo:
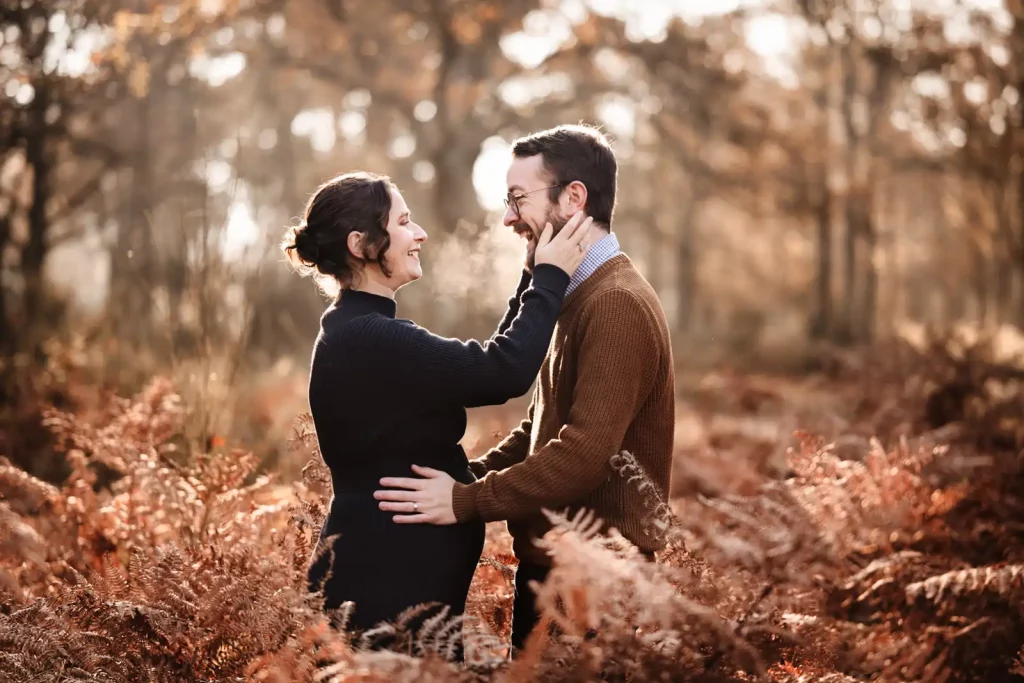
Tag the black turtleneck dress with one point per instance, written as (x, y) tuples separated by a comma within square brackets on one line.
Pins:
[(385, 394)]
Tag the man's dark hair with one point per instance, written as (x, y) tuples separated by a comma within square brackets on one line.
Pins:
[(576, 152)]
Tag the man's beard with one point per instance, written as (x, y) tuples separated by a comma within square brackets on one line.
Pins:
[(557, 222)]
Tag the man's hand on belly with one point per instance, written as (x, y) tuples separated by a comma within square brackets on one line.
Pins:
[(426, 500)]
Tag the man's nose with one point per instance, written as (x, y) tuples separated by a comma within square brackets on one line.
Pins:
[(511, 217)]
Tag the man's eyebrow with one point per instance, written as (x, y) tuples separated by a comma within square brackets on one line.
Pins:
[(513, 188)]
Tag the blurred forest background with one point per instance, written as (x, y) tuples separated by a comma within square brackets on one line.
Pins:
[(794, 175)]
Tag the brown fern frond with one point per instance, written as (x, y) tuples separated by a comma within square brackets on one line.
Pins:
[(503, 563), (660, 516), (784, 676), (970, 592), (621, 616), (980, 651), (18, 541), (881, 588), (400, 634), (11, 592), (439, 635), (873, 503), (484, 652), (19, 487)]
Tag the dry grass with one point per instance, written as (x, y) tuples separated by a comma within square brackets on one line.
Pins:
[(838, 553)]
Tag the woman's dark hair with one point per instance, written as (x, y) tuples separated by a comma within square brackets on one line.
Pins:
[(352, 202)]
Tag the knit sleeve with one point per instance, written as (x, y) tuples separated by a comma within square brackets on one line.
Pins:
[(513, 304), (618, 359), (469, 373)]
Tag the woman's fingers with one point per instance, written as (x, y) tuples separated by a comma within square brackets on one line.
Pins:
[(583, 230), (545, 235), (576, 228), (571, 225), (565, 249)]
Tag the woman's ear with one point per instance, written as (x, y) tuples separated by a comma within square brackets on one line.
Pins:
[(355, 244)]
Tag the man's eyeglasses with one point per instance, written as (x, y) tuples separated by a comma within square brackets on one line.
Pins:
[(512, 200)]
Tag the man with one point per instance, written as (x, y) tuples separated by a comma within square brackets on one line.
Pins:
[(607, 383)]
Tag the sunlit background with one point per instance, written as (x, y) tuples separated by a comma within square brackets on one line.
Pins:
[(793, 174)]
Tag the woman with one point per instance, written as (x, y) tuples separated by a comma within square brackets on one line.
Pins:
[(385, 393)]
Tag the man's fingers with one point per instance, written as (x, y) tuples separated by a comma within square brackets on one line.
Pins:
[(402, 483), (406, 507), (426, 471), (406, 496), (421, 518)]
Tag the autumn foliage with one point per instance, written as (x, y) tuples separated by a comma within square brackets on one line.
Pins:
[(886, 546)]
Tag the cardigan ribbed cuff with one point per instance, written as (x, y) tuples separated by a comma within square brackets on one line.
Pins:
[(464, 501)]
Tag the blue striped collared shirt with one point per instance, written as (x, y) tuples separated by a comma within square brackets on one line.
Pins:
[(600, 251)]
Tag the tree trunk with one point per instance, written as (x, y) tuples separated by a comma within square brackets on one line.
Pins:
[(818, 192), (39, 158), (847, 325), (1003, 256), (284, 152), (448, 179), (823, 323), (1016, 8), (6, 333), (686, 276), (869, 310), (1004, 287), (653, 229), (981, 285), (134, 246), (1018, 37)]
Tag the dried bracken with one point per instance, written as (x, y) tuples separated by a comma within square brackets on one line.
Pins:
[(894, 556), (882, 588), (973, 590)]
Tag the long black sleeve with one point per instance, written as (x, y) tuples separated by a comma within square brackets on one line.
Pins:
[(467, 372), (514, 303)]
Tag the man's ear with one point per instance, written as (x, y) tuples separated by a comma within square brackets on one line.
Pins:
[(576, 193), (354, 241)]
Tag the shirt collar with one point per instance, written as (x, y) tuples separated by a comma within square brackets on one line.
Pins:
[(600, 251)]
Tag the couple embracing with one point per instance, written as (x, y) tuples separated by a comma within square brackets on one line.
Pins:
[(388, 398)]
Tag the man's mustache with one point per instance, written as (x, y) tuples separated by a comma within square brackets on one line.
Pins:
[(524, 230)]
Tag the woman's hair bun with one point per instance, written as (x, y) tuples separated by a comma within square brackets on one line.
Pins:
[(352, 202), (306, 246)]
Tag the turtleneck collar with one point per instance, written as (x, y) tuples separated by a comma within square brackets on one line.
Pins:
[(356, 302)]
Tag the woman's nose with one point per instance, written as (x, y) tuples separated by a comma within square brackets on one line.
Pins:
[(421, 234)]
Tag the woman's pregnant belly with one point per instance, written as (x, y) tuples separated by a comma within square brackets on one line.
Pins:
[(385, 566)]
